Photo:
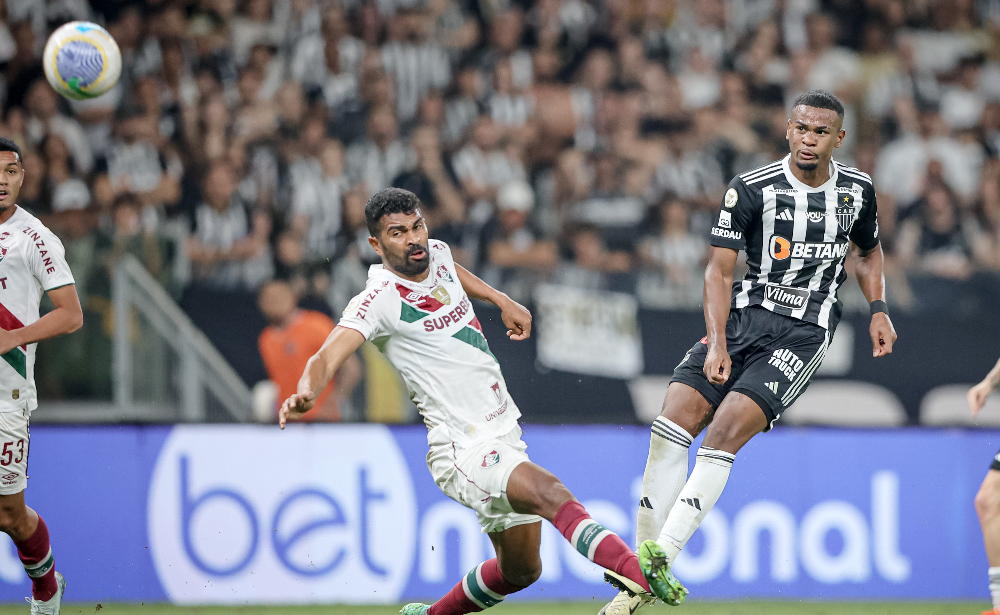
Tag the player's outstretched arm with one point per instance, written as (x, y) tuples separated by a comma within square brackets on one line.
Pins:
[(514, 315), (339, 345), (717, 296), (977, 395), (872, 282), (67, 317)]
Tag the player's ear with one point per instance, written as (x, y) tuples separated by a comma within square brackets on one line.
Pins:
[(788, 131), (375, 244), (840, 137)]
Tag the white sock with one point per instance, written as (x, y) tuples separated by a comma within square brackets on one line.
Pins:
[(666, 471), (994, 573), (699, 495)]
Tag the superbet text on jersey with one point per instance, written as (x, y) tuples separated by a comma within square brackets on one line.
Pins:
[(429, 332), (796, 237)]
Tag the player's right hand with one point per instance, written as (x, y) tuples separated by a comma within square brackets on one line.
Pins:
[(717, 365), (295, 406), (977, 396)]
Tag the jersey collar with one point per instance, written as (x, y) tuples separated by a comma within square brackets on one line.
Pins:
[(796, 184)]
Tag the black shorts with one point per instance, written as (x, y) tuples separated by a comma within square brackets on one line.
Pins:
[(773, 358), (996, 462)]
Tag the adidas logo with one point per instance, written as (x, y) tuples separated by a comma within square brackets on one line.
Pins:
[(692, 502), (645, 503), (773, 386), (786, 215)]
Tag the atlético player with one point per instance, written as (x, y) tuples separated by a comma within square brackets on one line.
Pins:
[(768, 333), (32, 261), (417, 310)]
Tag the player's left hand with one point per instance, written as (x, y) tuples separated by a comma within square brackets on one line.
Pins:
[(517, 318), (883, 334)]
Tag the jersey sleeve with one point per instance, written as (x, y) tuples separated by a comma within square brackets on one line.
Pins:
[(46, 258), (734, 218), (374, 313), (864, 233)]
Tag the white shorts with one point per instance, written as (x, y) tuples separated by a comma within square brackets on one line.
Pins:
[(13, 451), (476, 477)]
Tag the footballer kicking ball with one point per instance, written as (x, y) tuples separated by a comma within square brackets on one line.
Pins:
[(82, 60)]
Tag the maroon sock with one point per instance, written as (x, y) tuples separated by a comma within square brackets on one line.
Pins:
[(482, 588), (36, 555), (597, 543)]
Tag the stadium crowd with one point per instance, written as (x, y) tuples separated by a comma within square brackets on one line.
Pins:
[(581, 142)]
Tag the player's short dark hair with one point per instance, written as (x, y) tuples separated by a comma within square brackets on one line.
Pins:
[(820, 99), (8, 145), (388, 201)]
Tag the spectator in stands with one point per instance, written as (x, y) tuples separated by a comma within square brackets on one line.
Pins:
[(594, 267), (318, 187), (44, 117), (135, 164), (291, 337), (935, 240), (380, 157), (618, 215), (482, 167), (229, 246), (432, 181), (416, 63), (674, 258), (65, 187)]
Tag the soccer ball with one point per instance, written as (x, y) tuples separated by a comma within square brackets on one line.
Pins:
[(82, 60)]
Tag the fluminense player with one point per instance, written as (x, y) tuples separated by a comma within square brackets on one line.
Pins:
[(767, 334), (417, 310), (32, 261), (988, 498)]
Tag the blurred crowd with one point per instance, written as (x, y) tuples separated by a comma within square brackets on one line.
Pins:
[(578, 142)]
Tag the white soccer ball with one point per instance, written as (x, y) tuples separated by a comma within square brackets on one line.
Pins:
[(82, 60)]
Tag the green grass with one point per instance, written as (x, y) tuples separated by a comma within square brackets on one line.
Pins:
[(789, 607)]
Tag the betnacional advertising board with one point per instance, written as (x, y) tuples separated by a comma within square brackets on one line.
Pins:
[(349, 514)]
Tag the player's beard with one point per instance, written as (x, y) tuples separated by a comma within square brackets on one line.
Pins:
[(807, 166), (403, 264)]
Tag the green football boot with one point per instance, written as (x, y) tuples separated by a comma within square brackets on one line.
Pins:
[(656, 569), (415, 608)]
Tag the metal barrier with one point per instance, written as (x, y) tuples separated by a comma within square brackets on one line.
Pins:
[(165, 369)]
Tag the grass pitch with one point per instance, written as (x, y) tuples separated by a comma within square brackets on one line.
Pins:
[(544, 608)]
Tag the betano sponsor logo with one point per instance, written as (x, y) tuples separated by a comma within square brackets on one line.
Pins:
[(781, 248)]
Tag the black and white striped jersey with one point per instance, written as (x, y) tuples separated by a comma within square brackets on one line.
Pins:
[(796, 237)]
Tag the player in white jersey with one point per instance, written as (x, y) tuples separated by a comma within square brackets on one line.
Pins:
[(417, 310), (32, 261)]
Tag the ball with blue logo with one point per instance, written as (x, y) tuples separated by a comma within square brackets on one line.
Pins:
[(82, 60)]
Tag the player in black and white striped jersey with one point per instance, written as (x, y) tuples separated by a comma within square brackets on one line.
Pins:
[(768, 333)]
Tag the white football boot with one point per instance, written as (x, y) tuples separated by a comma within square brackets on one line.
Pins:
[(622, 604), (50, 606)]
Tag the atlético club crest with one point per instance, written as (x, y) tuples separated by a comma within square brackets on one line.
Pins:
[(845, 211), (490, 459)]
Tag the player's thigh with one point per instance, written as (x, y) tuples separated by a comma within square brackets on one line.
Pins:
[(988, 497), (533, 490), (777, 373), (14, 440), (518, 553), (738, 419)]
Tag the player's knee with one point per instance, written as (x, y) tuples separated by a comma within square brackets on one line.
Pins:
[(988, 502), (13, 521), (524, 574)]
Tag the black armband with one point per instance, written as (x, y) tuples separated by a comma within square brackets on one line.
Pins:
[(879, 306)]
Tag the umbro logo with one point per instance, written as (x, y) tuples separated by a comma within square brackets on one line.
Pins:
[(773, 386), (786, 215), (692, 502), (10, 476), (645, 503)]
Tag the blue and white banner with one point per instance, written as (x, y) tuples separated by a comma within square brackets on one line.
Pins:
[(321, 514)]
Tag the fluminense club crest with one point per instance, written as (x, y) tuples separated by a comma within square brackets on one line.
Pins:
[(443, 274)]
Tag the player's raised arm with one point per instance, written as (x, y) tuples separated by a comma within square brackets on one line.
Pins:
[(872, 282), (339, 345), (977, 395), (718, 288), (515, 316)]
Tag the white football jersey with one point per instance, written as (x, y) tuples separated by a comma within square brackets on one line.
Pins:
[(32, 261), (430, 333)]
